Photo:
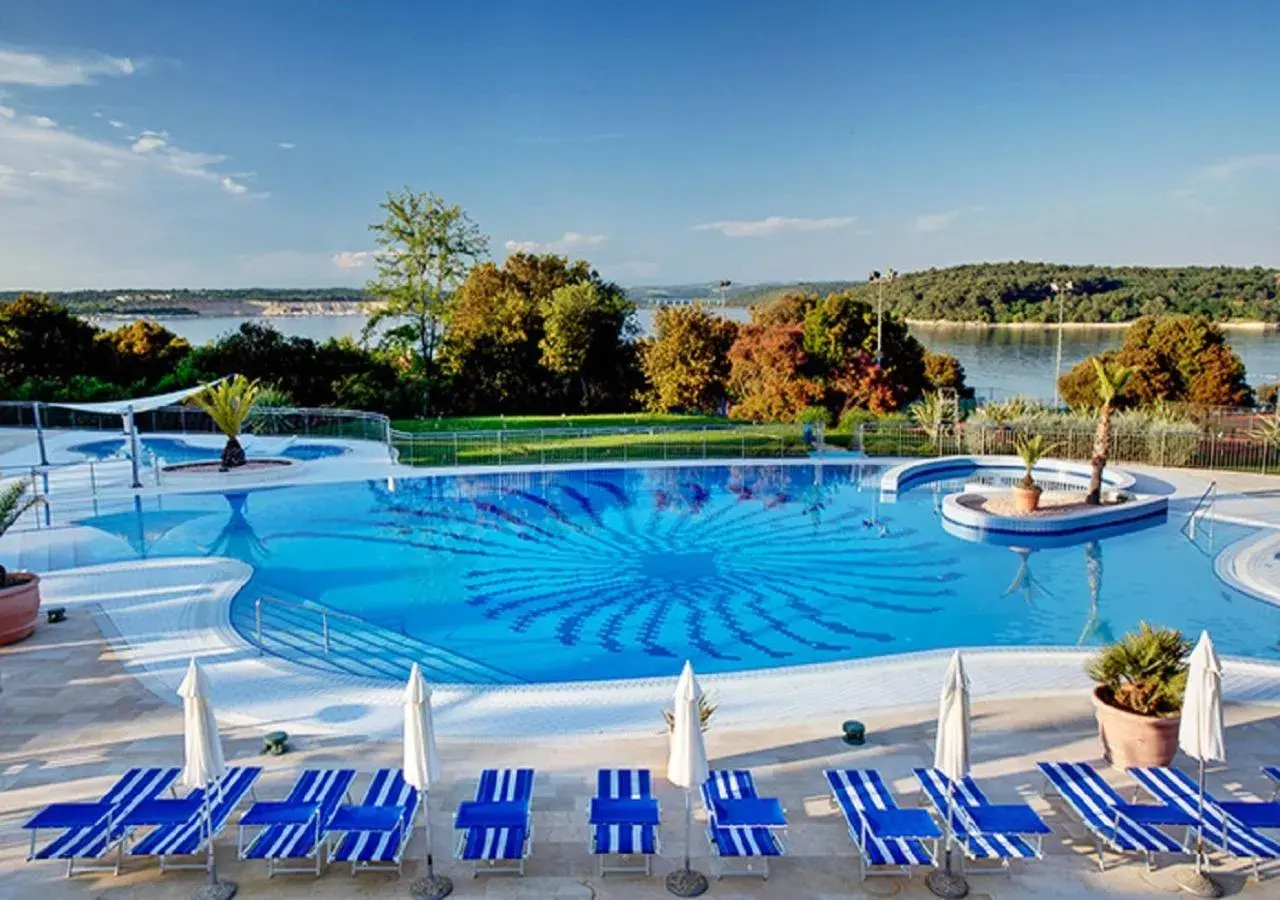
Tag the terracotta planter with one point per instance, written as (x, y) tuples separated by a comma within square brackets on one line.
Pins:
[(1026, 500), (19, 608), (1129, 739)]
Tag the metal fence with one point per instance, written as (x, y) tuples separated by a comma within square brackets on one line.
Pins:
[(585, 445), (1177, 447)]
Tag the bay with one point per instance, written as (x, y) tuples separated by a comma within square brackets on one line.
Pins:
[(998, 362)]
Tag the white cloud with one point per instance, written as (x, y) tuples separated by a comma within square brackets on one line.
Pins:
[(570, 242), (774, 225), (97, 114), (6, 112), (353, 259), (39, 70), (150, 140), (940, 221), (286, 145), (115, 123), (1240, 165), (42, 121), (231, 186)]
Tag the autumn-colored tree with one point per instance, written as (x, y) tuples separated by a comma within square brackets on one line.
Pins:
[(1171, 358), (942, 370), (686, 364), (141, 353), (767, 376)]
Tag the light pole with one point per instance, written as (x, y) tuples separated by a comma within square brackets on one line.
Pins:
[(876, 278), (723, 288), (1059, 289)]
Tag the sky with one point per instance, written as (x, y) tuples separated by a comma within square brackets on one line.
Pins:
[(234, 144)]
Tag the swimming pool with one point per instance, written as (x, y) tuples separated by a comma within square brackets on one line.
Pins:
[(584, 575), (173, 450)]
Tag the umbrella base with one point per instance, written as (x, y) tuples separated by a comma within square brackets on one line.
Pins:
[(223, 890), (1198, 884), (431, 887), (687, 883), (942, 883)]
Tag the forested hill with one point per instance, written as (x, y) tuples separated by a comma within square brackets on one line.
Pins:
[(1020, 292)]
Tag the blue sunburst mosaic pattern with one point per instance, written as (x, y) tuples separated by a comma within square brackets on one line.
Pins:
[(506, 578)]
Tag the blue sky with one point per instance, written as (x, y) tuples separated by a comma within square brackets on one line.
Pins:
[(249, 143)]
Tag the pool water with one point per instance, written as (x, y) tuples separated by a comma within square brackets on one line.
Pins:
[(172, 450), (624, 573)]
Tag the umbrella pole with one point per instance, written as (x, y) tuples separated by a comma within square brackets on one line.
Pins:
[(431, 886), (1197, 882), (686, 882), (943, 882), (215, 889)]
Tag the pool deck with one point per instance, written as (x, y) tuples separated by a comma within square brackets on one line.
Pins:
[(75, 718)]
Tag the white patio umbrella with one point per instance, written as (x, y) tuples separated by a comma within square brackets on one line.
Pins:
[(951, 758), (1200, 735), (687, 768), (203, 764), (421, 770)]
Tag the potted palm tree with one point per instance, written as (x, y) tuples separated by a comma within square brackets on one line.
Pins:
[(229, 403), (1031, 448), (19, 591), (1111, 381), (1138, 699)]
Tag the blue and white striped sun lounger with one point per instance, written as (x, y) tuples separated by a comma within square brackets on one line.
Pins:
[(291, 829), (625, 838), (1273, 772), (188, 836), (984, 830), (753, 845), (375, 833), (1112, 822), (496, 830), (857, 791), (1222, 829), (90, 830)]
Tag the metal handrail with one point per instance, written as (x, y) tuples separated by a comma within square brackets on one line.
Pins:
[(1203, 507), (323, 612)]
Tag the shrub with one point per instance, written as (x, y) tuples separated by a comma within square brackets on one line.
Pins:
[(1144, 672)]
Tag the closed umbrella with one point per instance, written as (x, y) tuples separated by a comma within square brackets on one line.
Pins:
[(421, 770), (951, 758), (203, 764), (1200, 735), (687, 768)]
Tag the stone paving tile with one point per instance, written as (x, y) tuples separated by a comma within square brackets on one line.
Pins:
[(73, 719)]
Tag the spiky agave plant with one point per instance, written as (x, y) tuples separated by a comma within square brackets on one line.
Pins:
[(933, 414), (1111, 381), (14, 503), (229, 403), (1145, 671)]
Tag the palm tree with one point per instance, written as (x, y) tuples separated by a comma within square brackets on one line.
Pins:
[(933, 414), (1031, 448), (1111, 382), (1093, 572), (14, 504), (229, 403)]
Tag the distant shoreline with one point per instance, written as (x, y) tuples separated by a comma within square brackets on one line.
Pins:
[(953, 325)]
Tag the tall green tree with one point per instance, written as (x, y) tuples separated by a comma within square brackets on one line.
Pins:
[(686, 364), (425, 249)]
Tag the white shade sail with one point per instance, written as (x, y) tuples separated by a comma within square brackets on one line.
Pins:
[(951, 752), (203, 763), (1200, 734), (687, 764), (421, 764), (138, 404)]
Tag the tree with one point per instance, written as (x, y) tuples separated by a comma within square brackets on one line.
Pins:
[(1171, 358), (1111, 381), (583, 327), (942, 370), (40, 339), (686, 364), (767, 375), (141, 353), (425, 249), (229, 404)]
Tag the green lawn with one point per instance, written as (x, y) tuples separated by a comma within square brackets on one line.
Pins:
[(511, 423)]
